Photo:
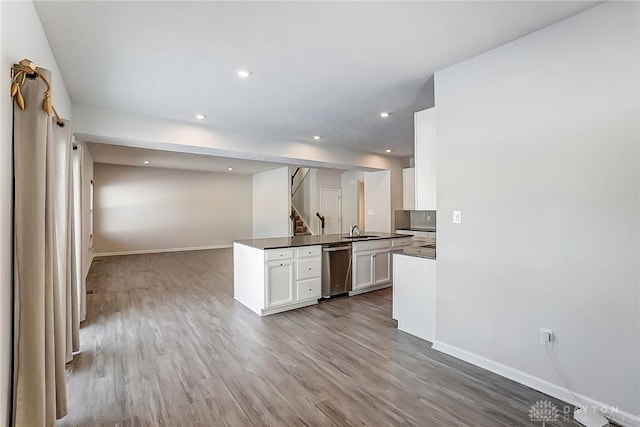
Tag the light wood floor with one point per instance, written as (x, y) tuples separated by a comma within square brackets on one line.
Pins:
[(165, 344)]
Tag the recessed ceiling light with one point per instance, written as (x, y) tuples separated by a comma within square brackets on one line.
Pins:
[(229, 169), (200, 116), (243, 73), (316, 137), (385, 114), (388, 150), (146, 162)]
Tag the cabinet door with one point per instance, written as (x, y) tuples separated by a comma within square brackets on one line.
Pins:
[(408, 189), (381, 267), (362, 270), (279, 283)]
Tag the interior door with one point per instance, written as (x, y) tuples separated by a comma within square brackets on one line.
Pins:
[(361, 224), (331, 208)]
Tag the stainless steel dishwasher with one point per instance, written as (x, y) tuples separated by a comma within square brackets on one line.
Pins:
[(336, 269)]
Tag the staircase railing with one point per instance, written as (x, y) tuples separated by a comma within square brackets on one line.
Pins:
[(300, 193), (297, 179), (295, 215)]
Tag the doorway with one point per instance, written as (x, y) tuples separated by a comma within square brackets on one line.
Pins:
[(361, 205)]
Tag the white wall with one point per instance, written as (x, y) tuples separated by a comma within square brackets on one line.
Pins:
[(16, 44), (140, 209), (377, 201), (395, 186), (87, 240), (271, 203), (409, 188), (538, 146), (349, 187)]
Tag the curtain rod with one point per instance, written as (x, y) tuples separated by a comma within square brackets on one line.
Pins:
[(20, 72)]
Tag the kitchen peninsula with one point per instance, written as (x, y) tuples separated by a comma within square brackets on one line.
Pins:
[(414, 290), (284, 273)]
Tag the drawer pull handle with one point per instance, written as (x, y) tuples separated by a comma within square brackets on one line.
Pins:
[(309, 268)]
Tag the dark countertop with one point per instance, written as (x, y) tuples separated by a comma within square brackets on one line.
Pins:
[(288, 242), (423, 229), (419, 252)]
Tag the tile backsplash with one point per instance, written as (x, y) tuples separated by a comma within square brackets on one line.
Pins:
[(408, 220)]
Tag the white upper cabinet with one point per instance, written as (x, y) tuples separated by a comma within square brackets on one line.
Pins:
[(425, 159), (408, 189)]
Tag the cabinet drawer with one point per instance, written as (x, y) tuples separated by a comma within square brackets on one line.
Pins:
[(308, 268), (371, 245), (276, 254), (309, 289), (398, 243), (308, 251)]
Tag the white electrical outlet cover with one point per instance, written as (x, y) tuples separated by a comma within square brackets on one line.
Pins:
[(546, 336), (457, 217), (589, 418)]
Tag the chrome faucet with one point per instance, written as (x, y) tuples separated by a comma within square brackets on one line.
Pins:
[(354, 231)]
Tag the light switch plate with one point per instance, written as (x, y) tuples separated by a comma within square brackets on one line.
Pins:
[(457, 217), (371, 212)]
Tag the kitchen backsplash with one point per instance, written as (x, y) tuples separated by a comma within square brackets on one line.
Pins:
[(419, 220)]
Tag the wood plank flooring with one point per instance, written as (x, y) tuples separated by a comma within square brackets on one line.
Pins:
[(165, 344)]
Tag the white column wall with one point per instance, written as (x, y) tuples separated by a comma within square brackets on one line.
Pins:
[(538, 146)]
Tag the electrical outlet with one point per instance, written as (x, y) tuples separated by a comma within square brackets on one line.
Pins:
[(546, 336), (457, 217)]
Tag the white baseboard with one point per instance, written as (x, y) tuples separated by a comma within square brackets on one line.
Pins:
[(611, 412), (157, 251), (370, 289)]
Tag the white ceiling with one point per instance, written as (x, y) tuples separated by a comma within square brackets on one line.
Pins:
[(130, 156), (325, 68)]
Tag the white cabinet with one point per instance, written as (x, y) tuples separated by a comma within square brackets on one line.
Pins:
[(402, 242), (279, 283), (308, 290), (276, 280), (425, 159), (372, 267), (307, 268), (408, 188)]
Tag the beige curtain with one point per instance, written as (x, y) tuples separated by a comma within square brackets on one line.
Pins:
[(46, 300), (63, 221)]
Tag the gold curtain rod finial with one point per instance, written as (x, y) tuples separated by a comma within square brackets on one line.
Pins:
[(27, 63), (19, 75)]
